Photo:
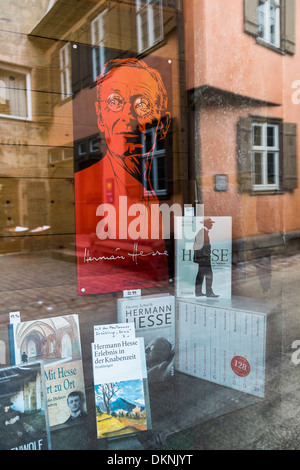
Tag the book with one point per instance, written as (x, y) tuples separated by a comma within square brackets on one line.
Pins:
[(203, 257), (154, 320), (223, 343), (23, 408), (120, 387), (55, 341)]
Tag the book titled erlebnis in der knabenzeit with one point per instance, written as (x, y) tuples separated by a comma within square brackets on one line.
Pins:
[(154, 320), (120, 387), (55, 341), (203, 257), (23, 408)]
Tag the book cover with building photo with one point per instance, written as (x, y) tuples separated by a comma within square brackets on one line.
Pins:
[(55, 341), (23, 408), (203, 257), (154, 319)]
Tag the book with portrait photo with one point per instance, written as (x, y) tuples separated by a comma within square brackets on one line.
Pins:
[(56, 342), (153, 317)]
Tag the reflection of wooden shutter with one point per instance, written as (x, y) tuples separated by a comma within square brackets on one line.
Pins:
[(288, 33), (251, 17), (289, 156), (42, 93), (244, 153)]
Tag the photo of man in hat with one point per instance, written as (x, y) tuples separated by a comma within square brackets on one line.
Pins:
[(202, 256)]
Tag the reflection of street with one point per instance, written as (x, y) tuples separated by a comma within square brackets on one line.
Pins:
[(41, 286)]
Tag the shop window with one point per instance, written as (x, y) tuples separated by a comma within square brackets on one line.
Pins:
[(65, 71), (267, 155), (149, 23), (272, 23), (15, 93)]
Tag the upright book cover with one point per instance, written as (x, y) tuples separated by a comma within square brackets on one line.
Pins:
[(120, 243), (222, 344), (154, 320), (55, 341), (23, 408), (120, 386), (203, 257)]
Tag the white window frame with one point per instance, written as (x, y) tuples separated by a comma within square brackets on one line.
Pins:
[(65, 71), (28, 104), (265, 7), (156, 154), (98, 43), (148, 8), (263, 150)]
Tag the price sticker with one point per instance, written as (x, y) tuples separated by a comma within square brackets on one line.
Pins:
[(240, 366), (14, 317), (132, 293)]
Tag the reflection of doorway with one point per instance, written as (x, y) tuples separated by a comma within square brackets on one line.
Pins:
[(66, 346), (31, 349)]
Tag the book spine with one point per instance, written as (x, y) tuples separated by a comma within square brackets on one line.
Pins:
[(11, 342), (258, 354), (214, 344)]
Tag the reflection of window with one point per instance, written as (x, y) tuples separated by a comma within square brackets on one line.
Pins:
[(269, 21), (158, 173), (149, 23), (265, 156), (65, 71), (272, 23), (99, 33), (15, 93), (88, 151)]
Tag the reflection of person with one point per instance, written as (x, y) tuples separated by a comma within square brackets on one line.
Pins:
[(24, 358), (75, 403), (202, 256), (159, 359), (11, 426), (131, 98)]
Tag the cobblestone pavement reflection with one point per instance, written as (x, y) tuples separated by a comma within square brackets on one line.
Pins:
[(43, 285)]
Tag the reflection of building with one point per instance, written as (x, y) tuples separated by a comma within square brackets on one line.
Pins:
[(64, 48), (243, 119)]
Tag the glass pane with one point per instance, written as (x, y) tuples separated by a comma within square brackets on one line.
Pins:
[(271, 169), (13, 95), (273, 25), (161, 173), (271, 136), (261, 20), (257, 135), (258, 179)]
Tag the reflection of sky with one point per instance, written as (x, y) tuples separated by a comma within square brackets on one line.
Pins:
[(130, 390)]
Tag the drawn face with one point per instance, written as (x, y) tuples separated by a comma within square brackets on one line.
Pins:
[(126, 109)]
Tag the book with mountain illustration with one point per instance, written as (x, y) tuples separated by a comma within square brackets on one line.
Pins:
[(120, 386)]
